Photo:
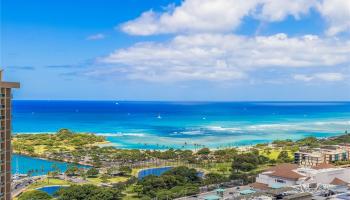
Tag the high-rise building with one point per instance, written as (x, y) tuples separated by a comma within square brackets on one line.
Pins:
[(5, 137)]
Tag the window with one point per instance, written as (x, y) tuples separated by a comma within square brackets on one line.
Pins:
[(280, 181)]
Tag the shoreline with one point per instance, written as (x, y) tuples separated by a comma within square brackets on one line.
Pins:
[(192, 147), (51, 159)]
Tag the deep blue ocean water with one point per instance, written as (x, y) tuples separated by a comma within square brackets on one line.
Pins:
[(160, 125)]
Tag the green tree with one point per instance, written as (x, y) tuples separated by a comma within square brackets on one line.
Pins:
[(190, 175), (283, 157), (34, 195), (245, 162), (213, 178), (104, 178), (72, 170), (138, 190), (88, 192), (92, 172), (125, 170), (203, 151)]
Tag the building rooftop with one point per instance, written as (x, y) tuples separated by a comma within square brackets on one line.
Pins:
[(7, 84), (248, 191), (338, 181), (323, 166), (285, 170), (212, 197)]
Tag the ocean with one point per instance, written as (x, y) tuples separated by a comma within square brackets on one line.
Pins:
[(184, 125)]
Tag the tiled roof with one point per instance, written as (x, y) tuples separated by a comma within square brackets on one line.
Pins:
[(323, 166), (288, 166), (337, 181), (285, 171)]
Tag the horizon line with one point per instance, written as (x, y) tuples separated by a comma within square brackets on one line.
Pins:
[(130, 100)]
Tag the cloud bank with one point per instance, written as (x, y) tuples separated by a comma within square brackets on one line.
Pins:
[(203, 16), (220, 57), (203, 45)]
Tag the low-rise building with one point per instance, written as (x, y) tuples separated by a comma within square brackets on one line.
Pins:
[(286, 175), (325, 154)]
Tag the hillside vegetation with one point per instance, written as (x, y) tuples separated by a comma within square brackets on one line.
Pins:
[(63, 140)]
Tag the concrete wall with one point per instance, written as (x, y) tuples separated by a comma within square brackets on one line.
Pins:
[(328, 176), (271, 181)]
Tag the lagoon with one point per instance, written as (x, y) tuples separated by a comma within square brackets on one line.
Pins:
[(51, 190), (153, 171), (23, 164)]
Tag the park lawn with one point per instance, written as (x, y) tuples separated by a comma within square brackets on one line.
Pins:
[(39, 149), (274, 153), (220, 168), (135, 171), (110, 180), (44, 182)]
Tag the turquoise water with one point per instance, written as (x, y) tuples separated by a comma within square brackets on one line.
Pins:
[(161, 125), (38, 166), (50, 189)]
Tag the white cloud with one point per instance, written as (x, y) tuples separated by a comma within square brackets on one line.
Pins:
[(337, 13), (192, 16), (278, 10), (222, 16), (302, 77), (331, 76), (225, 56), (98, 36)]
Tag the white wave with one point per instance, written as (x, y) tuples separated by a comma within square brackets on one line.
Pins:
[(119, 134), (342, 123), (196, 132), (305, 126), (219, 128), (263, 127)]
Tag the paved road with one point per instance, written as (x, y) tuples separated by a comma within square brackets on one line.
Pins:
[(19, 185)]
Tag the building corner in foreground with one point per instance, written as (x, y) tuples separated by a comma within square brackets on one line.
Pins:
[(5, 136)]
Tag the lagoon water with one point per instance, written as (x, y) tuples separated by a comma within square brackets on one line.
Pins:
[(24, 164), (161, 125)]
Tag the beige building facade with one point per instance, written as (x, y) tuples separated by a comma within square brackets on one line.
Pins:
[(5, 137)]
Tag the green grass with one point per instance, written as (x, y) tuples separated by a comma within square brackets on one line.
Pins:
[(110, 180), (45, 182), (273, 155), (220, 168)]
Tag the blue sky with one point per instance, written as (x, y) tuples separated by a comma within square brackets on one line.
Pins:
[(177, 50)]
